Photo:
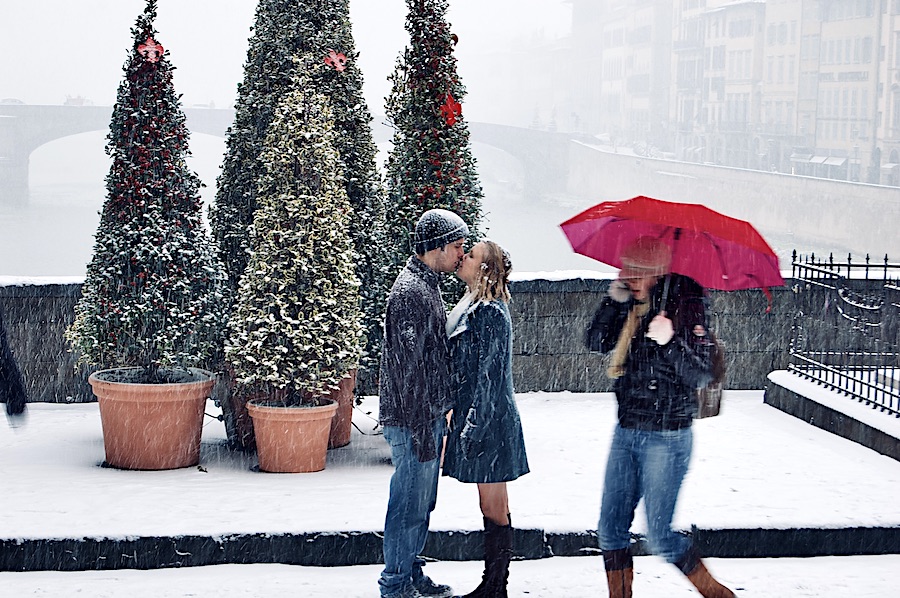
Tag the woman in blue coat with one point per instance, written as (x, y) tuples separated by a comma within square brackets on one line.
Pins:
[(485, 445)]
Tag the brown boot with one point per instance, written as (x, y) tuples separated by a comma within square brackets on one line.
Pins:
[(697, 573), (619, 572), (706, 584)]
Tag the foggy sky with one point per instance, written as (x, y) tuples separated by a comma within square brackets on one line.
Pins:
[(56, 48)]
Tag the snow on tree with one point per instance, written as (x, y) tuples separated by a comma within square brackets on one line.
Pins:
[(296, 323), (153, 290), (431, 164), (283, 29)]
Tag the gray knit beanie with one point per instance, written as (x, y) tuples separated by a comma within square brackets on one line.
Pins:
[(436, 228)]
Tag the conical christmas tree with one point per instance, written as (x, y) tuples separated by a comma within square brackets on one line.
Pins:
[(296, 323), (431, 163), (321, 29), (152, 294)]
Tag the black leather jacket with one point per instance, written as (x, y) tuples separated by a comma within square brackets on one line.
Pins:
[(657, 390)]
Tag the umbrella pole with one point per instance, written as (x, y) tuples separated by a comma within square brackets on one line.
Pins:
[(676, 235), (665, 295)]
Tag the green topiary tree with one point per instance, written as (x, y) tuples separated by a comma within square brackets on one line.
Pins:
[(152, 294), (296, 324), (431, 164), (283, 29)]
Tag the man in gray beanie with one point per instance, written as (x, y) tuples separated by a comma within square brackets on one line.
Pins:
[(414, 392)]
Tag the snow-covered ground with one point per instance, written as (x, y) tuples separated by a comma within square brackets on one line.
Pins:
[(572, 577), (753, 467)]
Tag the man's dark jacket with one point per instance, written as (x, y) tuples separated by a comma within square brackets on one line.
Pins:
[(414, 385), (657, 390)]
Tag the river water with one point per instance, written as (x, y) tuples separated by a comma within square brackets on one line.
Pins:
[(53, 234)]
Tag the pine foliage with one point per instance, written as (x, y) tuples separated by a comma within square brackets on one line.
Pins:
[(152, 292), (431, 163), (296, 323), (321, 29)]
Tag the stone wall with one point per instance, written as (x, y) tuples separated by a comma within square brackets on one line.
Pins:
[(35, 317), (549, 320)]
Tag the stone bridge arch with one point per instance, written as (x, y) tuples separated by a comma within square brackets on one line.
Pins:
[(23, 128), (544, 155)]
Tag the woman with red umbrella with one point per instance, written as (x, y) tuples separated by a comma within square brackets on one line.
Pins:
[(654, 323)]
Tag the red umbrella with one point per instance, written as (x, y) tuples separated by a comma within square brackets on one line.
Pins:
[(718, 251)]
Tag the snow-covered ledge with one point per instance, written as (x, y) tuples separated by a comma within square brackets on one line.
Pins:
[(561, 275), (24, 281), (834, 412)]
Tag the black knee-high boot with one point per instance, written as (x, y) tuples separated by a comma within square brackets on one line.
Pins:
[(498, 550)]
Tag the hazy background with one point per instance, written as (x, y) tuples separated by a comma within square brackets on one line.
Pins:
[(54, 49)]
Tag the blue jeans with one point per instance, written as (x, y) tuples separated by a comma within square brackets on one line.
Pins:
[(412, 499), (651, 465)]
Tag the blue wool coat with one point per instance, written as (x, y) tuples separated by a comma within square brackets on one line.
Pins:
[(485, 442)]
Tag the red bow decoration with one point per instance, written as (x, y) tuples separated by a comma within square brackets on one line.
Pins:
[(451, 110), (151, 50), (337, 60)]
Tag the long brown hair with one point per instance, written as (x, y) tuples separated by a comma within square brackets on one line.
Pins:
[(495, 268)]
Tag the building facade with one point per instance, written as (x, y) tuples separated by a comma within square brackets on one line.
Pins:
[(808, 87)]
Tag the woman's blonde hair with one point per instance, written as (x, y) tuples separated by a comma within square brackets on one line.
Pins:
[(495, 268)]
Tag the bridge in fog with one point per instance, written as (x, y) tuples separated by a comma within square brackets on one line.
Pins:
[(24, 128)]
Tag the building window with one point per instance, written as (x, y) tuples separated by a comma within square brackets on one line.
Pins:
[(895, 115), (897, 45), (867, 50), (718, 58), (742, 28)]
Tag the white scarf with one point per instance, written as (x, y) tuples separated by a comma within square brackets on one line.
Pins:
[(457, 319)]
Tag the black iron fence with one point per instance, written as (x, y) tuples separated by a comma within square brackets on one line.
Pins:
[(845, 332)]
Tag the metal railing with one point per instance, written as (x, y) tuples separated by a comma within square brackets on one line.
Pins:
[(827, 271), (846, 326)]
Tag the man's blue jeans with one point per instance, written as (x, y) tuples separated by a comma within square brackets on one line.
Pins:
[(412, 499), (651, 465)]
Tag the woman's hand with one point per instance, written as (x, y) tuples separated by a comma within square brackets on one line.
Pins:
[(660, 330)]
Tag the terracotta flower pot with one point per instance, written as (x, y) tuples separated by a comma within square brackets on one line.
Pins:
[(291, 439), (341, 425), (151, 426)]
